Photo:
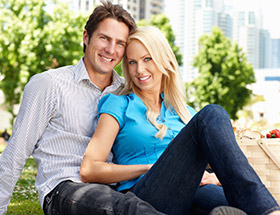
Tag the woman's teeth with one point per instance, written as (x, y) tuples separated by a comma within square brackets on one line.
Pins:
[(144, 78)]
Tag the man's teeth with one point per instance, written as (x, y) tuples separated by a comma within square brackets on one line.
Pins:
[(107, 59), (144, 78)]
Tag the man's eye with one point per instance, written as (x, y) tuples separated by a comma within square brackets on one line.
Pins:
[(121, 44), (147, 59), (131, 62)]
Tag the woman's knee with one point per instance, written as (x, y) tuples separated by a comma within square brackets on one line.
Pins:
[(214, 110)]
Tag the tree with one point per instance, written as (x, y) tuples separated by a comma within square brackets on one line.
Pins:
[(33, 40), (224, 74), (162, 22)]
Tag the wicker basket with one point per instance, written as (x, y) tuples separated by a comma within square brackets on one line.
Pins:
[(264, 156)]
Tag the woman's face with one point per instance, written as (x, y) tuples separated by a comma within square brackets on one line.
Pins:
[(142, 69)]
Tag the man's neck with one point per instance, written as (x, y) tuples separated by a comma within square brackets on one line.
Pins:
[(101, 80)]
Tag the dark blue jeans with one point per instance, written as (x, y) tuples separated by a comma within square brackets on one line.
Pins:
[(170, 185), (70, 198), (206, 198)]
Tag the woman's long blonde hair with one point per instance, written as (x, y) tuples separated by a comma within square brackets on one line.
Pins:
[(165, 61)]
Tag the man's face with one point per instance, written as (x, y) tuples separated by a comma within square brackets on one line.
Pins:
[(106, 46)]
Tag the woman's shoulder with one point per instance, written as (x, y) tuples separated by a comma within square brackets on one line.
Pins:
[(113, 100), (114, 105)]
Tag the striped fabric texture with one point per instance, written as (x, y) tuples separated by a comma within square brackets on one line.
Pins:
[(57, 117)]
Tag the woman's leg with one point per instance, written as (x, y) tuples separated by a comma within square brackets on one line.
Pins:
[(171, 183), (207, 198)]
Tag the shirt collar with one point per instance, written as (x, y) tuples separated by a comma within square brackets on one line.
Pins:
[(80, 73)]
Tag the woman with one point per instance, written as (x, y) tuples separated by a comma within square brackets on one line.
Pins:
[(161, 146)]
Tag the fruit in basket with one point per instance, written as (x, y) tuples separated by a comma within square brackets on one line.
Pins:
[(275, 133)]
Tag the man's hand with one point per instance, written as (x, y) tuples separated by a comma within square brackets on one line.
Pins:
[(209, 178)]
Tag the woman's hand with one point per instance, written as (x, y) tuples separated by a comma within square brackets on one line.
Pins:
[(209, 178)]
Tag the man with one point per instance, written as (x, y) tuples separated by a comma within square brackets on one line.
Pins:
[(57, 118)]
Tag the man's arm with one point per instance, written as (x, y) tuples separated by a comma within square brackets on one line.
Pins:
[(35, 111)]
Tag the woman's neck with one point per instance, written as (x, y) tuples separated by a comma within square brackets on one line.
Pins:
[(152, 100)]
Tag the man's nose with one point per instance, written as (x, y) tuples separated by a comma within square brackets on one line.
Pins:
[(110, 48)]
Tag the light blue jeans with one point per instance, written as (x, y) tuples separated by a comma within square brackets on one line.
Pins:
[(170, 185)]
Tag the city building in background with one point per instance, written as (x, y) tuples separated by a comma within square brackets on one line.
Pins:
[(265, 52), (275, 49), (196, 17), (139, 9)]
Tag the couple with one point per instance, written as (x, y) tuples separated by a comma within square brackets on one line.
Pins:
[(58, 116)]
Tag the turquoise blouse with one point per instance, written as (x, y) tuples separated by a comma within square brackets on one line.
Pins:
[(136, 142)]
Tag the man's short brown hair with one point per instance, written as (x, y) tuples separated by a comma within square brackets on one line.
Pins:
[(108, 10)]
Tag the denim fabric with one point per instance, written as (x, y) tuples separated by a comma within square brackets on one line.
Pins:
[(206, 198), (70, 198), (170, 185)]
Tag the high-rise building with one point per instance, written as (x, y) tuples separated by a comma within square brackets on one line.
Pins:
[(192, 19), (275, 55), (249, 34), (225, 24), (139, 9), (265, 49)]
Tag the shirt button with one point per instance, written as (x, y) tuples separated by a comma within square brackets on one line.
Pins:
[(169, 128), (163, 120)]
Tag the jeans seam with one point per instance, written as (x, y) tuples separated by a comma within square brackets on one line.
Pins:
[(271, 210)]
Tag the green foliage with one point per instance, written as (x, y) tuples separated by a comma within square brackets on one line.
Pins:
[(162, 22), (33, 40), (25, 197), (118, 68), (224, 74)]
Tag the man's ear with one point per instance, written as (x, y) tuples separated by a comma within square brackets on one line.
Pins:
[(85, 37)]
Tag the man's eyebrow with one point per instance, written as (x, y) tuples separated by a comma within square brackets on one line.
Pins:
[(109, 37)]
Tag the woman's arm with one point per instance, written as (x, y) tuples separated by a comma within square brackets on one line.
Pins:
[(94, 167)]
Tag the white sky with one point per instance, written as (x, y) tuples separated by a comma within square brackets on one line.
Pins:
[(270, 10)]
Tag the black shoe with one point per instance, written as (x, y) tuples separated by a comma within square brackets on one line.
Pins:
[(227, 210)]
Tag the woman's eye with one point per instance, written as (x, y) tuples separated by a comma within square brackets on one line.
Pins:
[(131, 62), (147, 59)]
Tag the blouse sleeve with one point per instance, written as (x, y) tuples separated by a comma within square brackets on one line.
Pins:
[(114, 106)]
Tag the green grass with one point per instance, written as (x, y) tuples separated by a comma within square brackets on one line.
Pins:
[(25, 197)]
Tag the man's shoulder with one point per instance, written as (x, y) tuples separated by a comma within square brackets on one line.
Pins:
[(64, 72), (61, 72)]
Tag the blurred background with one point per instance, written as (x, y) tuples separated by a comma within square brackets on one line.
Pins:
[(228, 50)]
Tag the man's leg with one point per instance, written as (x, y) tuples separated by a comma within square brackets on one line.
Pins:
[(70, 198), (173, 180)]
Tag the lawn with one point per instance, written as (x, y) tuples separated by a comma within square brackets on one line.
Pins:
[(25, 197)]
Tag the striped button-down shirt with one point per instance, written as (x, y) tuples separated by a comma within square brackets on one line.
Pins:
[(57, 117)]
